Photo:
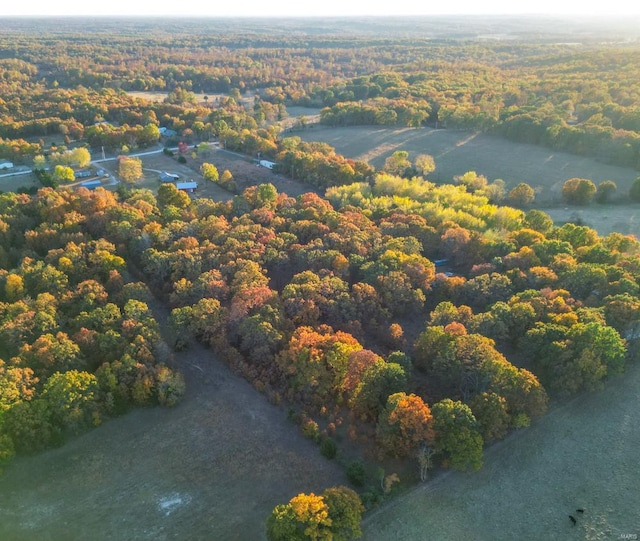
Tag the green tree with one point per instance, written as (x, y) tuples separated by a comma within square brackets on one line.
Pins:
[(29, 426), (457, 435), (569, 360), (539, 220), (490, 410), (71, 397), (578, 191), (7, 449), (169, 195), (634, 191), (203, 149), (345, 512), (378, 382), (606, 191)]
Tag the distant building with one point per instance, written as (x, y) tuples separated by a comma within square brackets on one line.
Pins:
[(6, 164), (166, 132), (84, 173), (189, 187), (267, 164), (168, 177), (91, 184)]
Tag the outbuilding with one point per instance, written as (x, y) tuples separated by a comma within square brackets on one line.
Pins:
[(84, 173), (189, 187), (267, 164), (168, 177), (91, 184)]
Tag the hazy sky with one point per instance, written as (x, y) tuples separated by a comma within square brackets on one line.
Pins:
[(318, 7)]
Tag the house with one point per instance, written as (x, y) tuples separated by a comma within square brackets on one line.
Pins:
[(166, 132), (6, 164), (91, 184), (168, 177), (189, 187)]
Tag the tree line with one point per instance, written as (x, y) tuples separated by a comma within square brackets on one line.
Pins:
[(78, 342), (523, 91)]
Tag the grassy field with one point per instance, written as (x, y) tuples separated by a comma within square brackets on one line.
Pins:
[(582, 455), (212, 468), (456, 152), (156, 96)]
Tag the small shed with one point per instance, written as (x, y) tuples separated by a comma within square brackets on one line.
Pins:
[(267, 164), (189, 187), (167, 132), (168, 177)]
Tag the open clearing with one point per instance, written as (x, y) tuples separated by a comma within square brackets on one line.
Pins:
[(581, 455), (212, 468), (456, 152), (202, 98)]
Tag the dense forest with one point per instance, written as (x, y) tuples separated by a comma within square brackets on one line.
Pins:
[(580, 98), (410, 320)]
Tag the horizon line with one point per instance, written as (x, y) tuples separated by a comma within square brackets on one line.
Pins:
[(315, 16)]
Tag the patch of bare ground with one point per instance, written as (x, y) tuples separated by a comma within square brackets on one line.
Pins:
[(212, 467)]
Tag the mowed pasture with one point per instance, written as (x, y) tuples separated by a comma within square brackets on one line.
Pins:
[(456, 152), (211, 468), (582, 455)]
